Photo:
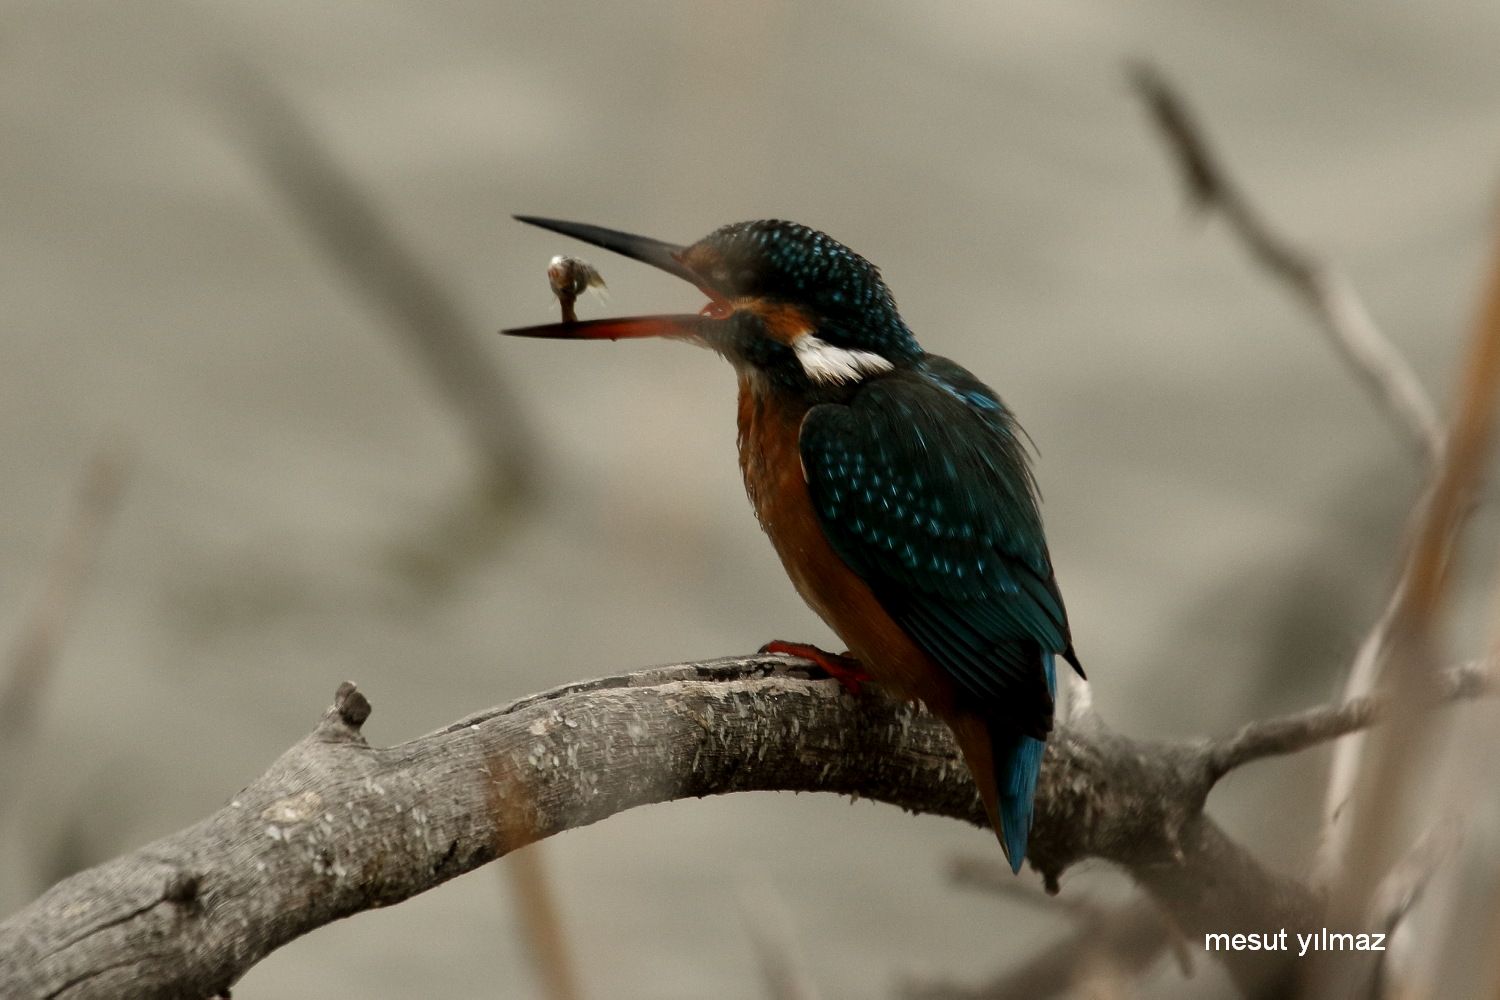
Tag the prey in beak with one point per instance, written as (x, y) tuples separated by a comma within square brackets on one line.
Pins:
[(668, 257), (786, 303)]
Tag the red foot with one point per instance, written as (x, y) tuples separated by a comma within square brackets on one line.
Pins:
[(840, 666)]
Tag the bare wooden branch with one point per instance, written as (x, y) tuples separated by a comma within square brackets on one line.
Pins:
[(1321, 286), (1353, 829), (1365, 670), (336, 826), (1293, 733), (1389, 771)]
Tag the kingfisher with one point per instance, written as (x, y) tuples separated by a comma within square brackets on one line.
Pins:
[(895, 487)]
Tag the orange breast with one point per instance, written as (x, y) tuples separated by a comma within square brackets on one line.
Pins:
[(771, 463)]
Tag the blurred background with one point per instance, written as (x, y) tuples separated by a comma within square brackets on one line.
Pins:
[(307, 496)]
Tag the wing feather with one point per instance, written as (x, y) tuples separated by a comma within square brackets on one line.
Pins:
[(921, 484)]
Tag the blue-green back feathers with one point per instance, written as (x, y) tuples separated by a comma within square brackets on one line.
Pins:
[(922, 486)]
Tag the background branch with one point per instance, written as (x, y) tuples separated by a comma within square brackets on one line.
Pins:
[(1388, 774), (1370, 355), (362, 240), (542, 924), (769, 924), (24, 672), (1122, 943), (1322, 287), (1292, 733)]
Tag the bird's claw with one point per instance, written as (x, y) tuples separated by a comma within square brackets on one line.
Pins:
[(842, 667)]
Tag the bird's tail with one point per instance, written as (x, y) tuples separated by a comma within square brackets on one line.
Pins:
[(1018, 761), (1005, 764)]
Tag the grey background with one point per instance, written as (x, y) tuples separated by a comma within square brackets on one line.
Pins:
[(1222, 500)]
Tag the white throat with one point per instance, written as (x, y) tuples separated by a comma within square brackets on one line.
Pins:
[(825, 362)]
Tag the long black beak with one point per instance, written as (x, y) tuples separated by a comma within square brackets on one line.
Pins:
[(666, 256)]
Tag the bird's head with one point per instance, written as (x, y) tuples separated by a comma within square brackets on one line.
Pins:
[(785, 300)]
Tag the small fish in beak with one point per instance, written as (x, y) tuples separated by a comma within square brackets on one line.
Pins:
[(570, 277)]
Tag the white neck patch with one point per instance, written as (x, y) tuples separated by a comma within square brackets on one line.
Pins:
[(825, 362)]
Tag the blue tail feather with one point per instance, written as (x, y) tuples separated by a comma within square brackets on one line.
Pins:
[(1018, 762)]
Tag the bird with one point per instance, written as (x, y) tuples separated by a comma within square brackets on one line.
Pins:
[(894, 485)]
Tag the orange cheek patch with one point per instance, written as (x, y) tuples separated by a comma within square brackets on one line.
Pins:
[(783, 322)]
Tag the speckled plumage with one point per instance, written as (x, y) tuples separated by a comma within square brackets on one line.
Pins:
[(893, 484), (929, 499), (919, 483)]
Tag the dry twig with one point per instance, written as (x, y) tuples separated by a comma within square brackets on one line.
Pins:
[(362, 240), (1436, 520), (1293, 733), (1122, 944), (1387, 773), (768, 921), (1322, 287), (34, 653), (541, 923), (1331, 297)]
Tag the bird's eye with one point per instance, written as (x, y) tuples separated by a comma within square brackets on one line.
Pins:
[(744, 279)]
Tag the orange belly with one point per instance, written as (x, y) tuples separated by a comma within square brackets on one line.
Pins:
[(771, 463)]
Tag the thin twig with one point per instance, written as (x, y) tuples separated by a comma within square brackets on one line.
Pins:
[(362, 239), (1343, 769), (541, 923), (1293, 733), (1401, 890), (34, 653), (1125, 944), (768, 920), (1404, 884), (1330, 296), (1388, 773), (1364, 674), (1322, 287)]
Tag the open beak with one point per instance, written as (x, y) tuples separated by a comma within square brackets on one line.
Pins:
[(666, 256)]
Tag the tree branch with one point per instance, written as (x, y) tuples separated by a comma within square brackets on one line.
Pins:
[(1322, 287), (1292, 733), (1389, 773), (336, 826)]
